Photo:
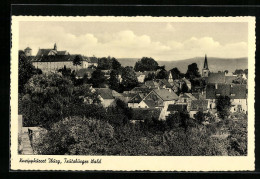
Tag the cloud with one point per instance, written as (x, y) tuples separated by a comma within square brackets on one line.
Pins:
[(169, 27), (127, 43)]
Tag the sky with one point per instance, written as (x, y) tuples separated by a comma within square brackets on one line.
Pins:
[(163, 41)]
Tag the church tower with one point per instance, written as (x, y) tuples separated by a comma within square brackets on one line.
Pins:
[(55, 47), (28, 51), (205, 70)]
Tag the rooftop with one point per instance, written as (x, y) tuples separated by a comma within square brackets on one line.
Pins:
[(199, 105), (166, 95), (177, 107), (234, 91)]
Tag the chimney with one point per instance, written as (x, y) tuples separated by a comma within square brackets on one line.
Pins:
[(216, 86)]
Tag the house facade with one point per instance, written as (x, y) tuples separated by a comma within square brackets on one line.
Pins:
[(198, 105), (236, 92), (50, 60), (107, 96)]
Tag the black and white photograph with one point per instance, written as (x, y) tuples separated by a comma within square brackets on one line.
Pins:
[(132, 87)]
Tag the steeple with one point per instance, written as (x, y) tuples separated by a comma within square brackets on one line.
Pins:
[(205, 70), (55, 47), (205, 63)]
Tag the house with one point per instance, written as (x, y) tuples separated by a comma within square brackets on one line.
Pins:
[(50, 60), (128, 96), (137, 101), (140, 77), (220, 77), (198, 105), (161, 98), (236, 92), (158, 84), (142, 89), (173, 108), (186, 98), (93, 61), (107, 96)]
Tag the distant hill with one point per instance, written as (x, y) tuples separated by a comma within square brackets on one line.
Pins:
[(215, 64), (128, 61)]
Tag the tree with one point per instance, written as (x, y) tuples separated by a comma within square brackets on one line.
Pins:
[(193, 71), (163, 74), (26, 71), (51, 97), (68, 73), (46, 96), (76, 136), (104, 63), (173, 120), (115, 64), (129, 79), (184, 88), (237, 139), (146, 64), (246, 71), (98, 79), (114, 82), (200, 117), (185, 120), (150, 76), (223, 106), (238, 72), (77, 60), (176, 74)]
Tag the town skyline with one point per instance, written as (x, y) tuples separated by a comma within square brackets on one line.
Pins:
[(164, 41)]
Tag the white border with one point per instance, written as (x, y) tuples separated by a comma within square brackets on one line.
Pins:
[(136, 163)]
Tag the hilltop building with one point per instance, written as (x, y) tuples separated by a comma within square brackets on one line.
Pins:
[(28, 52), (50, 60)]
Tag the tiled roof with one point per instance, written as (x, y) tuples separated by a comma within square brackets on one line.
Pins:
[(196, 95), (151, 84), (166, 95), (136, 99), (42, 52), (141, 89), (199, 105), (150, 103), (234, 91), (220, 78), (57, 58), (165, 82), (216, 77), (61, 52), (28, 48), (229, 79), (190, 96), (105, 93), (177, 107)]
